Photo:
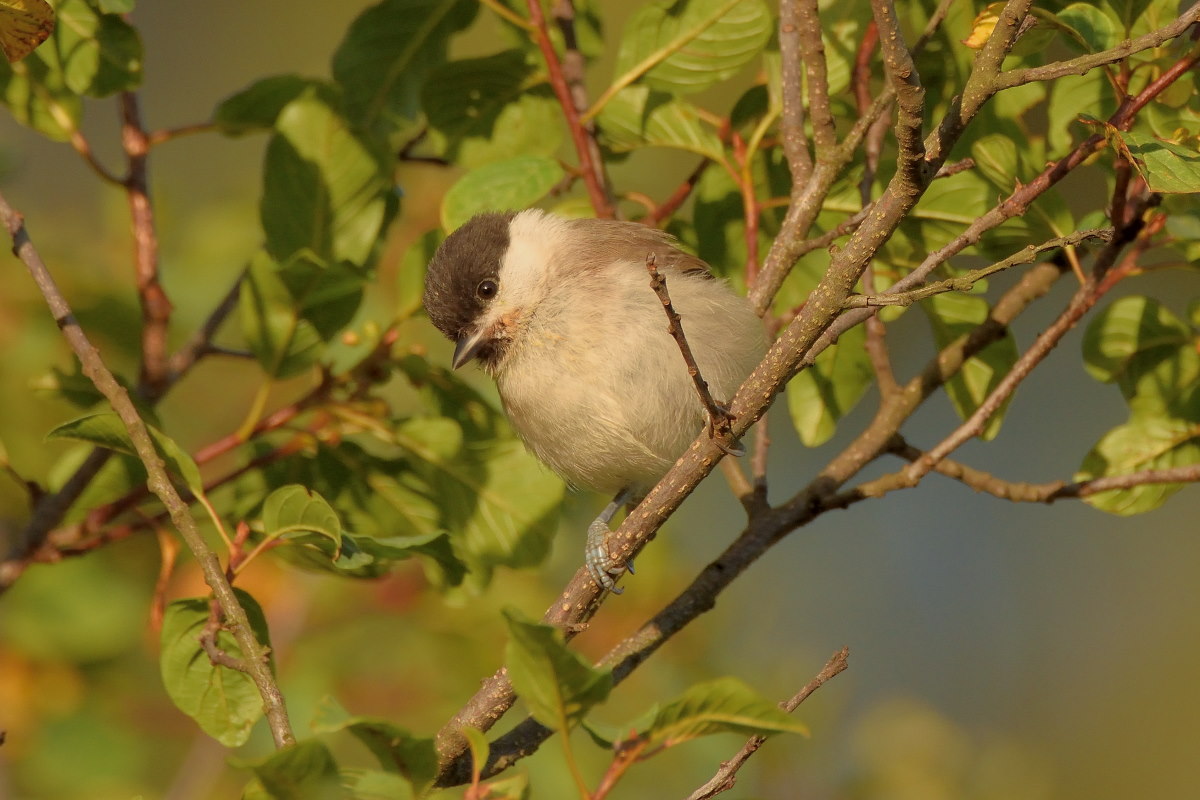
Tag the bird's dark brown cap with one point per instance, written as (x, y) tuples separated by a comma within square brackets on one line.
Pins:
[(469, 256)]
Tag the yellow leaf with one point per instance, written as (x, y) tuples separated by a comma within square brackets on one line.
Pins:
[(983, 25), (24, 24)]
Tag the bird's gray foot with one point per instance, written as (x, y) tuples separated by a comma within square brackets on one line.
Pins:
[(604, 569), (600, 564)]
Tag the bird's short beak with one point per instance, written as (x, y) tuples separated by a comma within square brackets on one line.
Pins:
[(468, 346)]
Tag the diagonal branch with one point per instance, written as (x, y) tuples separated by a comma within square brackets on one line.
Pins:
[(159, 482), (591, 167), (726, 776)]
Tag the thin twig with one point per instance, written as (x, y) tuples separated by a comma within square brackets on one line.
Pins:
[(592, 171), (1021, 492), (964, 283), (720, 421), (156, 308), (1085, 63), (668, 207), (812, 49), (573, 68), (159, 481), (726, 776), (579, 599), (1098, 283)]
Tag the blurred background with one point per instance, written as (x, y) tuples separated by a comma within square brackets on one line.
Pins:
[(997, 650)]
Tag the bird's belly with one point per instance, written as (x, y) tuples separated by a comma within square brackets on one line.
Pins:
[(597, 436)]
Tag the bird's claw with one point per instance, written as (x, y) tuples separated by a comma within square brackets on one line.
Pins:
[(604, 569)]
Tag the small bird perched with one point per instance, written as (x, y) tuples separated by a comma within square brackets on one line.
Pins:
[(561, 314)]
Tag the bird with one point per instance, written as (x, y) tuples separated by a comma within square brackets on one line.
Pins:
[(561, 314)]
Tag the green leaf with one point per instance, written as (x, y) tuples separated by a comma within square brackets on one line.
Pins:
[(107, 430), (36, 94), (325, 187), (1088, 27), (327, 296), (1167, 167), (513, 184), (304, 771), (513, 787), (284, 343), (397, 750), (725, 705), (388, 52), (370, 784), (257, 107), (1070, 97), (639, 117), (953, 315), (1145, 442), (292, 510), (555, 682), (224, 702), (115, 6), (500, 505), (1129, 336), (493, 108), (477, 743), (410, 277), (695, 43), (101, 53), (821, 395), (996, 158)]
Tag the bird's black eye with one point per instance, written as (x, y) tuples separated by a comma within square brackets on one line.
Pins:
[(487, 289)]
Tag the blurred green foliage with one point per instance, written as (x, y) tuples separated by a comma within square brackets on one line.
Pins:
[(339, 446)]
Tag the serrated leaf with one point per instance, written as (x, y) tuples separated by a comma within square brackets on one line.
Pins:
[(493, 108), (284, 343), (639, 117), (325, 187), (499, 504), (555, 682), (304, 771), (1145, 442), (1167, 167), (953, 315), (256, 107), (223, 701), (821, 395), (513, 184), (693, 43), (388, 52), (108, 431), (397, 750), (725, 705)]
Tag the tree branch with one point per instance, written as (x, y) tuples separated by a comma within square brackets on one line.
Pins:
[(156, 308), (159, 481), (1085, 63), (591, 168), (726, 776)]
